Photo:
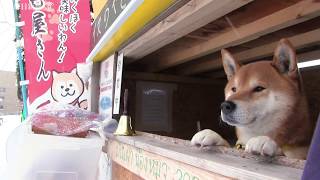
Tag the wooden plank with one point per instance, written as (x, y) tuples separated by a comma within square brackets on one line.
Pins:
[(190, 17), (306, 56), (167, 78), (177, 4), (299, 41), (121, 173), (297, 13), (137, 152), (154, 167)]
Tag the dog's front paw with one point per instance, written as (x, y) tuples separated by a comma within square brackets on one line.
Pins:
[(262, 145), (208, 137)]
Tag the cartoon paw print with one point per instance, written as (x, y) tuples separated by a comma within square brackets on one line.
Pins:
[(52, 15), (53, 19), (47, 37)]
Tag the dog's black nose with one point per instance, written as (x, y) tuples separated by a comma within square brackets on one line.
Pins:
[(227, 107), (67, 89)]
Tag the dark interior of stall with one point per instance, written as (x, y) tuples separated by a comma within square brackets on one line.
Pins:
[(176, 99), (201, 102)]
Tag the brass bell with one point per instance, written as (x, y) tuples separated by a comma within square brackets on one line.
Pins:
[(124, 126)]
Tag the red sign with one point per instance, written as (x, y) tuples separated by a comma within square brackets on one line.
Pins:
[(56, 37)]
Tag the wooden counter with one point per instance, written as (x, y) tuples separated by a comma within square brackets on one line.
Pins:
[(151, 156)]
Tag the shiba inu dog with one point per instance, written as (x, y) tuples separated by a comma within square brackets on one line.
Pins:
[(266, 103)]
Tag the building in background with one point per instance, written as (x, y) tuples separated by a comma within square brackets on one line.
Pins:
[(9, 102)]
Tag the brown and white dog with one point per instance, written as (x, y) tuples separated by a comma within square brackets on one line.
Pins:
[(266, 103)]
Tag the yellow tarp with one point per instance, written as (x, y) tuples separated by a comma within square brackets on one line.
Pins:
[(97, 6)]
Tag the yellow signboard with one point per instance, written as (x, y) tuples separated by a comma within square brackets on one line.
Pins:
[(126, 26)]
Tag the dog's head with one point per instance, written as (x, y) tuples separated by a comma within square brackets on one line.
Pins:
[(66, 87), (261, 91)]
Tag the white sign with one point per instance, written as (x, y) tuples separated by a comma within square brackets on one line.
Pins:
[(117, 92), (106, 87)]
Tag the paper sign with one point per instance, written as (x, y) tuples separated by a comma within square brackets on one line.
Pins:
[(106, 87), (117, 92)]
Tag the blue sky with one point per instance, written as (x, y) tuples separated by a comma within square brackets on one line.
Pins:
[(7, 35)]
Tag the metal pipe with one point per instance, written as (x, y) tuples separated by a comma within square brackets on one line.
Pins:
[(21, 67)]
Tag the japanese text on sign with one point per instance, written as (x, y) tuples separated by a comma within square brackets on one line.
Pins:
[(68, 14), (39, 28), (107, 16)]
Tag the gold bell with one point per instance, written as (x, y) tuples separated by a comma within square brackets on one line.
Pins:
[(124, 126)]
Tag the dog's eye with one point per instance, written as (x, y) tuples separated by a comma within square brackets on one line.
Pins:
[(70, 85), (62, 87), (258, 89), (233, 89)]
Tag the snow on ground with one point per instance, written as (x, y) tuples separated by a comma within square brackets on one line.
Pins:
[(7, 124)]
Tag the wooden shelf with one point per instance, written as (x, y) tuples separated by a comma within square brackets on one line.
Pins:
[(156, 157)]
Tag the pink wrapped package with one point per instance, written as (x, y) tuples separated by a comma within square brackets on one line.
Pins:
[(64, 120)]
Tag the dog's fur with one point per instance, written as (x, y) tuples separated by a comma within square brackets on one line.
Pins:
[(270, 114)]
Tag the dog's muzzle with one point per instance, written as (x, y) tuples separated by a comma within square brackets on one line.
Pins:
[(228, 107)]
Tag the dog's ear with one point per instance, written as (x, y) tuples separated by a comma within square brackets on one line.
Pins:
[(74, 71), (285, 59), (230, 65)]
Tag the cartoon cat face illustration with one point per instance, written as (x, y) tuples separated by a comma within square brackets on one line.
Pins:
[(66, 87)]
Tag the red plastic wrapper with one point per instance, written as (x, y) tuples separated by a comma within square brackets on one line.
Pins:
[(64, 120)]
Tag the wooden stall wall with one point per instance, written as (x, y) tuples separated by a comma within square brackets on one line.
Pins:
[(250, 30), (192, 102), (311, 82), (120, 173)]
